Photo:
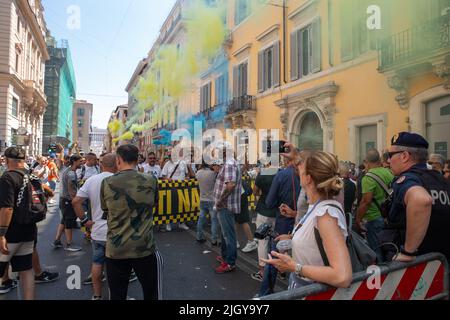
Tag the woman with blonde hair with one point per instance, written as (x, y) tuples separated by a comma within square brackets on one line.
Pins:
[(319, 175)]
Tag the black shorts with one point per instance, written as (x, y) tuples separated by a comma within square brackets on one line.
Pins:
[(69, 217), (244, 216), (20, 257)]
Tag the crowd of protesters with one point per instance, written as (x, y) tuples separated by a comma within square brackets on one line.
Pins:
[(305, 203)]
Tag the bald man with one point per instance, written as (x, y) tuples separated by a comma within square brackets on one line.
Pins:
[(91, 191)]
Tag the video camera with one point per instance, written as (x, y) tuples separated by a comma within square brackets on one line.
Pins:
[(265, 231)]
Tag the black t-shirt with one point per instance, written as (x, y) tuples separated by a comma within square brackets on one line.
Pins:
[(349, 194), (10, 185), (264, 182)]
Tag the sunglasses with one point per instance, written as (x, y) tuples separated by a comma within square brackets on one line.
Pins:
[(392, 154)]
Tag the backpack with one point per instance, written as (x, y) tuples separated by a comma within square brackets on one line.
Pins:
[(31, 206), (385, 206), (361, 255)]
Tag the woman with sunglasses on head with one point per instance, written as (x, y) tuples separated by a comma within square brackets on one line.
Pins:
[(319, 175)]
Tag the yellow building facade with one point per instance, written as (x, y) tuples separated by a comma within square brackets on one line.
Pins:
[(315, 70)]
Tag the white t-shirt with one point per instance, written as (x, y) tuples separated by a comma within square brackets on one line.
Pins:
[(305, 250), (180, 173), (90, 172), (91, 190), (154, 170), (42, 169)]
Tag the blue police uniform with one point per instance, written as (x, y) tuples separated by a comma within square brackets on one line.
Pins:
[(400, 186)]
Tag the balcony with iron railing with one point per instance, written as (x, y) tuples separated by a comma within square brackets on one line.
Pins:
[(417, 45), (242, 104)]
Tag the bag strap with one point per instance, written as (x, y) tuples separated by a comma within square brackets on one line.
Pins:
[(175, 170), (380, 182), (319, 241)]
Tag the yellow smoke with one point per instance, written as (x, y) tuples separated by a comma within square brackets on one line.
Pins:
[(174, 68)]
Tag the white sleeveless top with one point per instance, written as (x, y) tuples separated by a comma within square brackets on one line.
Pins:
[(304, 246)]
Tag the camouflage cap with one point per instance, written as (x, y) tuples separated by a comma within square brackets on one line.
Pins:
[(15, 153)]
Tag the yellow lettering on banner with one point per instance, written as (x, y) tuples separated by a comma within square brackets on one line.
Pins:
[(162, 193), (195, 200), (169, 202), (183, 201)]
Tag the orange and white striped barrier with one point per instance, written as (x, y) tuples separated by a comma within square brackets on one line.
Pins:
[(424, 279)]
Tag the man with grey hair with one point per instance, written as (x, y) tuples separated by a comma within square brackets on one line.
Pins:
[(374, 184), (421, 205), (437, 162)]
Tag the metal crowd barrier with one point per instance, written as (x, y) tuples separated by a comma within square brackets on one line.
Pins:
[(426, 278)]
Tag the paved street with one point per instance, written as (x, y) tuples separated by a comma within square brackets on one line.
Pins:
[(188, 273)]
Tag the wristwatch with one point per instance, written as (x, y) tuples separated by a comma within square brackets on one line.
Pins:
[(408, 254), (298, 270)]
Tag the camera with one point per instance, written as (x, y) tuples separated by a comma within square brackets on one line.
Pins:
[(283, 148), (264, 231)]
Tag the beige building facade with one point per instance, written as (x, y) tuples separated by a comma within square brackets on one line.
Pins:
[(23, 53), (82, 122)]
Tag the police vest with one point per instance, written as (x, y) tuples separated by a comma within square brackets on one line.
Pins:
[(437, 238)]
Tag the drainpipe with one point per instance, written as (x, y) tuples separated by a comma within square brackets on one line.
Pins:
[(284, 41), (330, 40)]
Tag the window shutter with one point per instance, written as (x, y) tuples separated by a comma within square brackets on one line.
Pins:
[(301, 51), (208, 102), (217, 90), (261, 71), (244, 79), (316, 65), (276, 64), (346, 31), (235, 81), (294, 56)]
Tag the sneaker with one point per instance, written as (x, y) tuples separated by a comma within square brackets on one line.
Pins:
[(88, 280), (219, 259), (224, 268), (51, 201), (8, 286), (46, 277), (168, 228), (133, 277), (251, 246), (72, 248), (57, 244), (183, 226), (201, 241), (96, 298), (257, 276)]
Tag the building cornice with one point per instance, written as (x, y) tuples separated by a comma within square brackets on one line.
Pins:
[(137, 72), (268, 32), (243, 49), (301, 9)]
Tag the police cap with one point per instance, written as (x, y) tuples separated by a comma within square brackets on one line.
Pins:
[(411, 140)]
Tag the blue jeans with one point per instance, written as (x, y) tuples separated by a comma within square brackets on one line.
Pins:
[(52, 185), (206, 207), (373, 228), (229, 247)]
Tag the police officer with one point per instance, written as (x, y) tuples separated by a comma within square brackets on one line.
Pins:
[(421, 206)]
